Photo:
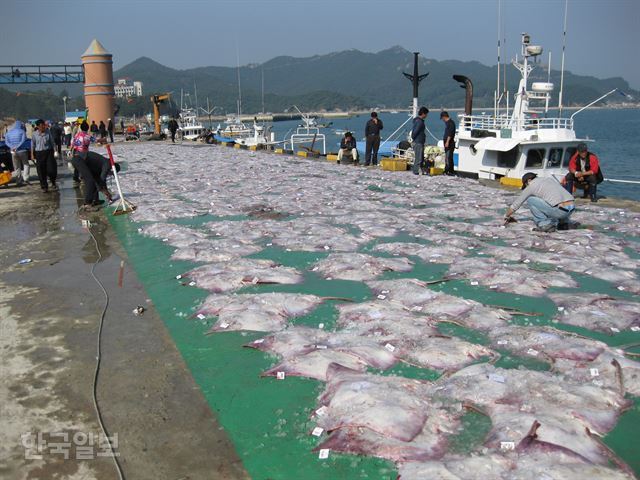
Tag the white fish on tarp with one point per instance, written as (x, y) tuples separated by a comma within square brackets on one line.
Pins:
[(175, 235), (211, 251), (596, 311), (428, 253), (265, 312), (232, 275), (360, 267)]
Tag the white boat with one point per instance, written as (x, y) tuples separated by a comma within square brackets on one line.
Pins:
[(256, 135), (524, 140), (188, 125)]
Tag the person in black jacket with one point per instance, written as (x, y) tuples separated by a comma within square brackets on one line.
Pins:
[(110, 130), (372, 134), (102, 128), (173, 128), (348, 146), (449, 142), (419, 138)]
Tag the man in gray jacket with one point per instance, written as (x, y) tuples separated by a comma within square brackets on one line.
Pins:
[(550, 204)]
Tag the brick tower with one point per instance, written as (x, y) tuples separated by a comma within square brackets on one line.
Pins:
[(98, 83)]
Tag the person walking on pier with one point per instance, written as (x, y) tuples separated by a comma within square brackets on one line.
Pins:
[(372, 134), (173, 128), (42, 145), (16, 139), (110, 130), (419, 137), (93, 128), (550, 204), (449, 142), (102, 129), (584, 170)]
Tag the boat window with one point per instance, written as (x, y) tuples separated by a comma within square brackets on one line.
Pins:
[(555, 158), (509, 159), (569, 152), (535, 158)]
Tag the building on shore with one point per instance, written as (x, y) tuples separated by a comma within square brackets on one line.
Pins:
[(125, 88)]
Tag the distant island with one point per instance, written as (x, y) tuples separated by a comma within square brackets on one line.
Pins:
[(340, 81)]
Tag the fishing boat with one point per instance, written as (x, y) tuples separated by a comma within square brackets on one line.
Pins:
[(188, 125), (525, 139), (238, 132)]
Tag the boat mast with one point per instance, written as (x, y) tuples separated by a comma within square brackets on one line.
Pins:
[(415, 80), (564, 42), (263, 89), (497, 95), (239, 88)]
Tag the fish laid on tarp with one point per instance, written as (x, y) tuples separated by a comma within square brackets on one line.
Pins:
[(232, 275), (596, 311), (265, 312), (360, 267)]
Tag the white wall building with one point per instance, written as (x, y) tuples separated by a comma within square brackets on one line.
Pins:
[(124, 88)]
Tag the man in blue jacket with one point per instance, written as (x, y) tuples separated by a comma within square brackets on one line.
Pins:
[(16, 140), (419, 137)]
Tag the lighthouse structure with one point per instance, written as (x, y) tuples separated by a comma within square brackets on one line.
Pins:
[(98, 82)]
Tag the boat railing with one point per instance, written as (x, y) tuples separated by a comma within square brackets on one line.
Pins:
[(489, 122)]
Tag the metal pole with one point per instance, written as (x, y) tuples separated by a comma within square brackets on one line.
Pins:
[(564, 43)]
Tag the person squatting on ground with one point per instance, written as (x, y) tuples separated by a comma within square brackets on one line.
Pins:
[(16, 140), (372, 135), (550, 204), (42, 145), (91, 168), (419, 137), (348, 146), (449, 142), (584, 167)]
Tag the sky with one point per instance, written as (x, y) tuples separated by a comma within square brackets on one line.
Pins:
[(602, 35)]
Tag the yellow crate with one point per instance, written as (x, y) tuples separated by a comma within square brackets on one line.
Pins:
[(436, 171), (279, 150), (304, 154), (237, 145), (332, 158), (393, 164), (511, 182)]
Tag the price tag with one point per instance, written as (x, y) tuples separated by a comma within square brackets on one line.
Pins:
[(259, 341), (496, 378), (178, 277), (280, 375), (321, 325), (317, 431), (615, 330), (224, 325), (594, 372), (635, 328), (621, 288), (321, 347), (503, 342), (474, 283), (532, 352), (192, 284), (255, 280), (324, 453), (390, 347), (201, 316), (381, 297), (507, 446)]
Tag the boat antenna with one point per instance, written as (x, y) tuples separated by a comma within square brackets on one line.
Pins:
[(498, 94), (195, 92), (415, 80), (564, 43), (239, 88), (263, 89)]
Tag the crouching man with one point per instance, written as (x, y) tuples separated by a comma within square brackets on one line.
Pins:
[(348, 147), (550, 204), (583, 172)]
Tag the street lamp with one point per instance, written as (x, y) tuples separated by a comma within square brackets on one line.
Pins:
[(64, 101)]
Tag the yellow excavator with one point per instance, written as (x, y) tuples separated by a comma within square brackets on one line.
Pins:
[(157, 100)]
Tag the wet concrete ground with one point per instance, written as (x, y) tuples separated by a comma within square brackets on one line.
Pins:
[(49, 315)]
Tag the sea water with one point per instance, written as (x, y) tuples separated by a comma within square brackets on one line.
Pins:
[(616, 135)]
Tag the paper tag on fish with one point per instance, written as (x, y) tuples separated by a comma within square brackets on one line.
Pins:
[(507, 446), (314, 269), (324, 453), (560, 309), (474, 283), (224, 325), (381, 297), (178, 277), (317, 431), (321, 347), (201, 316), (635, 329), (493, 286), (255, 280), (322, 411), (503, 342), (594, 372), (280, 375), (390, 347), (192, 284), (165, 239), (417, 308), (598, 383), (496, 378), (258, 341), (621, 288), (526, 260), (532, 352), (615, 330)]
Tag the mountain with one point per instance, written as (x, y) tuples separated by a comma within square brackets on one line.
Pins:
[(352, 78), (345, 80)]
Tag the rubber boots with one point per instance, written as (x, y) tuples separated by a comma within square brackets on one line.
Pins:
[(593, 192)]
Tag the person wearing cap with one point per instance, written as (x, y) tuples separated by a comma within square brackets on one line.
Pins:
[(372, 134), (550, 204), (449, 142), (584, 167), (348, 147)]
